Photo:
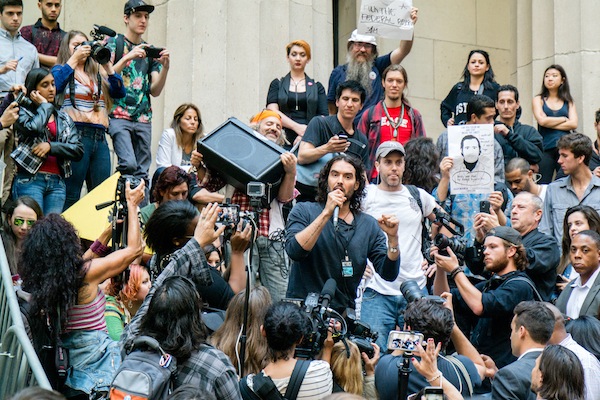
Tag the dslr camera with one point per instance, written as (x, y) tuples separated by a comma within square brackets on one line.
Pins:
[(99, 53)]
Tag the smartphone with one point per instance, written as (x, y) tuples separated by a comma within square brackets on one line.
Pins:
[(343, 136), (434, 393), (153, 52), (484, 206), (405, 341), (229, 215)]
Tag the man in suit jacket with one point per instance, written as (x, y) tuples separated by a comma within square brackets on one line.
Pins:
[(581, 296), (531, 329)]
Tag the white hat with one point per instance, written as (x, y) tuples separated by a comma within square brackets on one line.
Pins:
[(357, 37)]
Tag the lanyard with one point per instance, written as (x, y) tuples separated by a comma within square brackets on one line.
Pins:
[(394, 125)]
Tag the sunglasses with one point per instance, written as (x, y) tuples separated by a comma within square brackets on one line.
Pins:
[(21, 221)]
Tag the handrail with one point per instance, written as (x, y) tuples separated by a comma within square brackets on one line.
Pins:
[(20, 366)]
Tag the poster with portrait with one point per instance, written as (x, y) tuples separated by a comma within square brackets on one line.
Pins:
[(472, 150), (386, 18)]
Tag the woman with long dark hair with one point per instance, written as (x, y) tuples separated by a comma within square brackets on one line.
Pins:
[(297, 97), (19, 218), (558, 375), (555, 112), (48, 142), (65, 294), (478, 78), (177, 144), (421, 164), (88, 89)]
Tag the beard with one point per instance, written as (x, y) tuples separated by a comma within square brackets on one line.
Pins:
[(359, 71), (497, 265)]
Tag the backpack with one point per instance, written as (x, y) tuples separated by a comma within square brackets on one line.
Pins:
[(146, 372), (425, 237), (265, 389)]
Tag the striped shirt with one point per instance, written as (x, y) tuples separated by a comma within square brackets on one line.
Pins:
[(87, 317), (317, 383)]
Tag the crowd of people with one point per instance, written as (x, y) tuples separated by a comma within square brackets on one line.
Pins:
[(509, 309)]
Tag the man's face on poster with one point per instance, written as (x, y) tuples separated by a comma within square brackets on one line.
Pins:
[(470, 150)]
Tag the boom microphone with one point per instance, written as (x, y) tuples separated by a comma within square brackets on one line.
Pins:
[(103, 30), (336, 216), (327, 294)]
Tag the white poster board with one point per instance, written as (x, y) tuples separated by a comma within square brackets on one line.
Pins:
[(472, 150), (386, 18)]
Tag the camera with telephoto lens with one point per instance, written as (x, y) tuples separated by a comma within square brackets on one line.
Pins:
[(360, 333), (120, 191), (99, 53), (458, 244), (23, 101), (411, 291)]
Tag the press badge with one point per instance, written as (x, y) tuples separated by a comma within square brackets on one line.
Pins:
[(347, 270)]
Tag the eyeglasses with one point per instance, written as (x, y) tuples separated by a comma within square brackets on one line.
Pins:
[(21, 221), (367, 46)]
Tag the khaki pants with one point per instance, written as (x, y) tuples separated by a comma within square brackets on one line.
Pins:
[(7, 144)]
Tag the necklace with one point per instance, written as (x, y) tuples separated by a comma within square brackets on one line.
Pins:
[(394, 125), (296, 83)]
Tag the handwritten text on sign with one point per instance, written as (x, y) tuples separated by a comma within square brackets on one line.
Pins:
[(386, 18)]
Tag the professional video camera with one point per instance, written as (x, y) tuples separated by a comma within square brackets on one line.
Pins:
[(411, 291), (360, 333), (118, 216), (457, 243), (99, 53), (316, 307)]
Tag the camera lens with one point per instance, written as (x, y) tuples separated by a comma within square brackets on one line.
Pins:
[(100, 53), (411, 291)]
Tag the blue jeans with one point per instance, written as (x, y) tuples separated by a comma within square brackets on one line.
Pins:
[(93, 168), (48, 190), (383, 313), (271, 260)]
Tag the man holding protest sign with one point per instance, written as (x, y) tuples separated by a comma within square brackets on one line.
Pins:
[(365, 67)]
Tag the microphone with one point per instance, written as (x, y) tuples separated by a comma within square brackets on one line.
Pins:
[(103, 30), (327, 294), (336, 216)]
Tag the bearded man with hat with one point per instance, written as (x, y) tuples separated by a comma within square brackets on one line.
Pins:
[(489, 305), (365, 67)]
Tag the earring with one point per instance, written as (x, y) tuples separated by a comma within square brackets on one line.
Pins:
[(176, 243)]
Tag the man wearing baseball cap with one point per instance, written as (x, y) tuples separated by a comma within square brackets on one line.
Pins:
[(144, 76), (383, 304), (365, 67), (488, 306)]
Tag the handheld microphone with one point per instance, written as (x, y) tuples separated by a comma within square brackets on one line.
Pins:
[(327, 294), (336, 216), (103, 30)]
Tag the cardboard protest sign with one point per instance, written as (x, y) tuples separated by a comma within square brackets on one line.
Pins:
[(386, 18)]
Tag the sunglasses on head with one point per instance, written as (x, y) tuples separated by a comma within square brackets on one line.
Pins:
[(21, 221)]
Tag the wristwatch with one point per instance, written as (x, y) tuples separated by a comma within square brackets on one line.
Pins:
[(393, 249)]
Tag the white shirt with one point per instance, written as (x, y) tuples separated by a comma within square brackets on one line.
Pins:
[(591, 367), (405, 208), (579, 293)]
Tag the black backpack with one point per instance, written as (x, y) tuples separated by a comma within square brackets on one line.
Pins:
[(146, 372)]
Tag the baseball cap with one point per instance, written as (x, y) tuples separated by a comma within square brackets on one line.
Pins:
[(386, 148), (507, 233), (137, 5), (357, 37)]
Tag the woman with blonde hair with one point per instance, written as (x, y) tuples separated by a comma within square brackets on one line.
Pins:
[(226, 338), (296, 97), (177, 144), (347, 369)]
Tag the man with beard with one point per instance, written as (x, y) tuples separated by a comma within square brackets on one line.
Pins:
[(46, 34), (488, 306), (520, 178), (364, 66), (323, 245)]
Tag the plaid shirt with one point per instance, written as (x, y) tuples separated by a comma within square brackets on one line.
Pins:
[(209, 369), (191, 256), (66, 132)]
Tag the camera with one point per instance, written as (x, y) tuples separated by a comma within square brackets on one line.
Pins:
[(360, 333), (229, 216), (153, 52), (255, 189), (411, 291), (23, 101), (405, 341), (120, 191), (99, 53), (458, 244)]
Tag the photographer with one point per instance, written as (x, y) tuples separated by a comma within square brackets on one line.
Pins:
[(488, 306), (284, 327), (130, 120), (48, 142), (434, 321), (88, 91)]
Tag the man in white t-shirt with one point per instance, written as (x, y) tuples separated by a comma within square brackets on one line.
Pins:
[(383, 304)]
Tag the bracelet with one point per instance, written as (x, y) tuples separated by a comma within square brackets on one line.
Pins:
[(456, 271), (99, 249), (438, 376)]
